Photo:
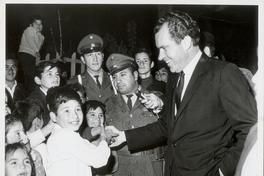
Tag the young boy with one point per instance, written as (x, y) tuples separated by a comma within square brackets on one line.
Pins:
[(95, 118), (15, 133), (30, 45), (68, 153), (46, 76)]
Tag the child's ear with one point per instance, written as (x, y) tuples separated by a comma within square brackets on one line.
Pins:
[(53, 117), (37, 80)]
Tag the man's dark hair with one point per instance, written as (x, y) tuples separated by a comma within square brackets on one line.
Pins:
[(144, 50), (180, 24)]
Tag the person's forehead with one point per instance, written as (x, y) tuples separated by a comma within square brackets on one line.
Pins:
[(141, 56), (16, 126), (69, 104), (98, 109), (94, 52), (37, 22), (127, 70), (163, 70), (162, 35), (10, 62)]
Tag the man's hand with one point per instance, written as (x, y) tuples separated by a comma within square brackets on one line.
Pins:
[(108, 135), (119, 137), (152, 101)]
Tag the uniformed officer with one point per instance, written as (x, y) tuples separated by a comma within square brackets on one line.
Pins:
[(95, 80), (125, 111)]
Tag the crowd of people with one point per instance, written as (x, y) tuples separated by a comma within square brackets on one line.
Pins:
[(191, 118)]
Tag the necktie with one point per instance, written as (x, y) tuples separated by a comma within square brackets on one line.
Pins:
[(97, 81), (179, 88), (129, 101)]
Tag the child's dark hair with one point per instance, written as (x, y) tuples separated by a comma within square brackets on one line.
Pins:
[(27, 111), (77, 87), (33, 18), (93, 105), (41, 67), (59, 95), (10, 120), (11, 148)]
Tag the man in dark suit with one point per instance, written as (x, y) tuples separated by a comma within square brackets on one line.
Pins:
[(208, 108)]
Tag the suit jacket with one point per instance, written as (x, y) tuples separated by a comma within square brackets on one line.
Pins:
[(40, 98), (92, 90), (20, 93), (211, 125)]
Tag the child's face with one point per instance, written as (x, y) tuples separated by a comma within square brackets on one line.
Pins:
[(37, 25), (18, 163), (16, 133), (95, 117), (69, 115), (49, 78)]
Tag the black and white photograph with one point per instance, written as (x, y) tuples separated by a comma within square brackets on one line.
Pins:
[(132, 88)]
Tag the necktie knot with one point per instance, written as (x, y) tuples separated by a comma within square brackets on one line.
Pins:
[(97, 81)]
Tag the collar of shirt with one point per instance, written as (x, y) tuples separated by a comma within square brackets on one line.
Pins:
[(45, 93), (188, 71), (100, 78), (133, 99), (11, 90)]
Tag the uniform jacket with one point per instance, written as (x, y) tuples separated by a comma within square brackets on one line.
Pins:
[(119, 115), (92, 90), (216, 105)]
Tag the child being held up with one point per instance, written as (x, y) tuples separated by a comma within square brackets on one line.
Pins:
[(68, 153), (15, 133), (18, 160), (95, 119)]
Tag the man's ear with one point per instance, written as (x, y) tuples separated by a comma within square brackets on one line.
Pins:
[(102, 56), (186, 42), (83, 60), (152, 64), (37, 80), (53, 117), (135, 75)]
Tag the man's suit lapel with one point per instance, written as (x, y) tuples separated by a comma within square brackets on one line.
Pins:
[(193, 85)]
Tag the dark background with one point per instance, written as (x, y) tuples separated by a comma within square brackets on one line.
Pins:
[(125, 27)]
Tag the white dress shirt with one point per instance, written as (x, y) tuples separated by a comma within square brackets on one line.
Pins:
[(69, 154)]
